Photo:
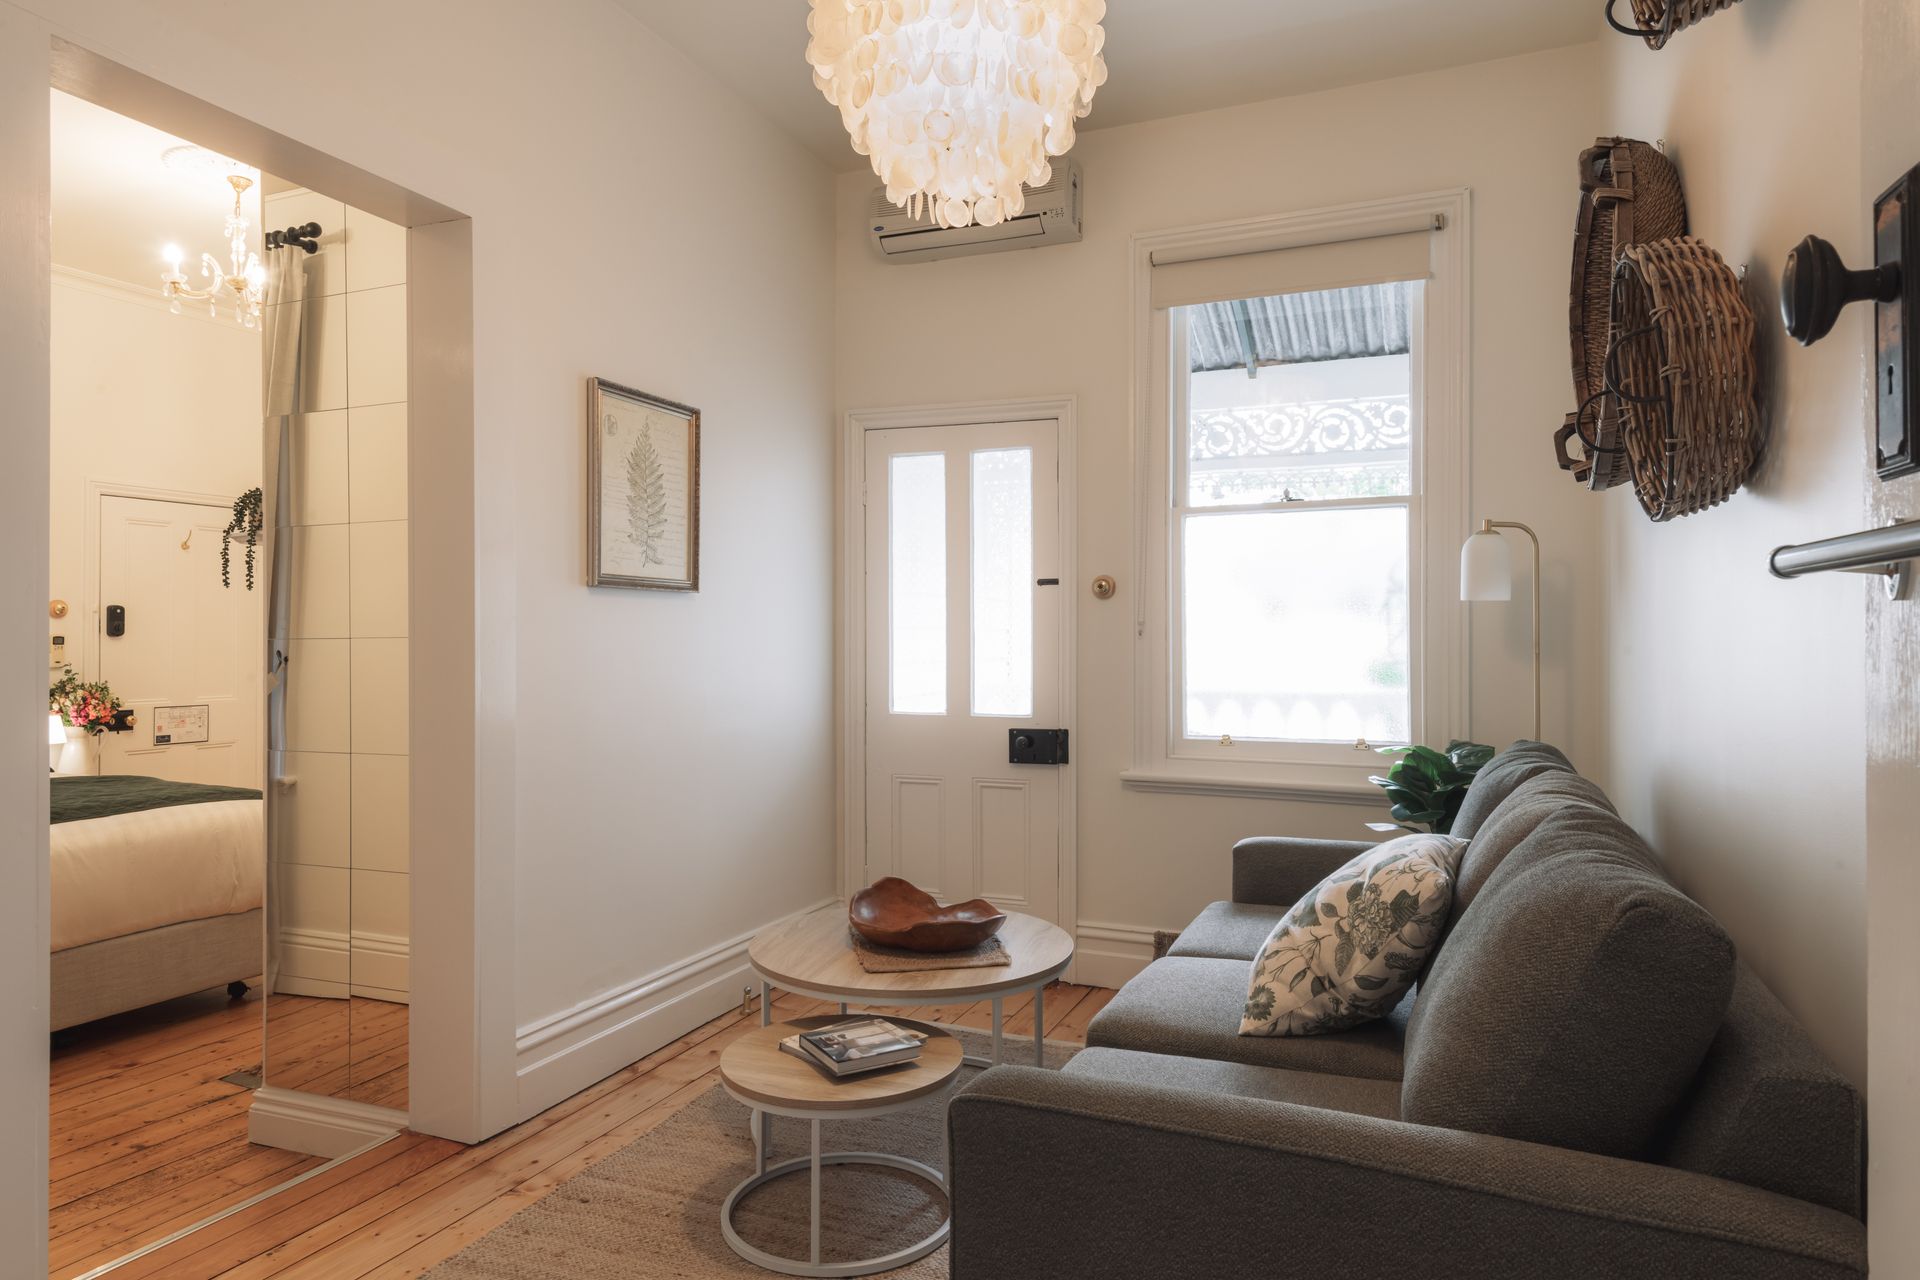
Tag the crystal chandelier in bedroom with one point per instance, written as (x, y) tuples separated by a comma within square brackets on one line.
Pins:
[(243, 281), (959, 102)]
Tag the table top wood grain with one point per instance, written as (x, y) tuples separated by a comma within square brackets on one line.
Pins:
[(813, 954), (757, 1072)]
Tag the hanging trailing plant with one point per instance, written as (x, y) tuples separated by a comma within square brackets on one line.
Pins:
[(249, 517)]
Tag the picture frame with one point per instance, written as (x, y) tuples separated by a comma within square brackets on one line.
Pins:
[(643, 490)]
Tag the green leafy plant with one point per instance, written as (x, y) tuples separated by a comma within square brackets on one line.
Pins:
[(1427, 787)]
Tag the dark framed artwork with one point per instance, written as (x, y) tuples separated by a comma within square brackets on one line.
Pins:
[(643, 490)]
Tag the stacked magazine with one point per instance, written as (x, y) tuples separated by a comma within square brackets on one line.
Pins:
[(855, 1046)]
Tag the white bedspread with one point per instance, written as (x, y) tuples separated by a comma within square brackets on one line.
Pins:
[(138, 871)]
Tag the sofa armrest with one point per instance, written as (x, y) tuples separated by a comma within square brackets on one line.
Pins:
[(1277, 871), (1069, 1176)]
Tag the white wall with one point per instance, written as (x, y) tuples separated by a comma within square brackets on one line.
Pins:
[(1736, 705), (24, 929), (1890, 138), (145, 398), (661, 764), (1056, 320)]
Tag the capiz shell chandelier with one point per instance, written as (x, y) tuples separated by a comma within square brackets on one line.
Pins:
[(958, 102)]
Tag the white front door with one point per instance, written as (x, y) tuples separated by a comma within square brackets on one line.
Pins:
[(185, 642), (964, 622)]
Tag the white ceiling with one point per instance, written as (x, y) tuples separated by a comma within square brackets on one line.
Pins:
[(116, 204), (1167, 57)]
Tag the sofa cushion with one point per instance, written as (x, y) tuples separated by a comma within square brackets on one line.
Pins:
[(1574, 1002), (1768, 1110), (1191, 1006), (1351, 1094), (1526, 807), (1228, 931), (1498, 780), (1351, 948)]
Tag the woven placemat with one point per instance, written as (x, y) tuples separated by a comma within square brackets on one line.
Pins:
[(877, 959)]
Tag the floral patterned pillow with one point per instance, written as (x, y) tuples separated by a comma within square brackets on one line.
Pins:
[(1349, 950)]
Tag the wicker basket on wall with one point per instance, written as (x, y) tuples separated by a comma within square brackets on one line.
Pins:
[(1682, 366), (1658, 20), (1629, 192)]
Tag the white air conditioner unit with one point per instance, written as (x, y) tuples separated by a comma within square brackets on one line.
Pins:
[(1052, 216)]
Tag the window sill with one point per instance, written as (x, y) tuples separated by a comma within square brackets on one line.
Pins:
[(1320, 792)]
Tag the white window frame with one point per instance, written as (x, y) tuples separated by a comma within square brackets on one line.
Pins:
[(1437, 511)]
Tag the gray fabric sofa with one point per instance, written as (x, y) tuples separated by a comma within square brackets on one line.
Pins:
[(1586, 1083)]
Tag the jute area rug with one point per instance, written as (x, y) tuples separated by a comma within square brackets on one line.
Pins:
[(652, 1212)]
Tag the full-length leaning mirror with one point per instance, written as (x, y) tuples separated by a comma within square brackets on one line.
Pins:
[(227, 721), (335, 340)]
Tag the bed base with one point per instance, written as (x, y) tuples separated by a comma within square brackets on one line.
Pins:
[(117, 974)]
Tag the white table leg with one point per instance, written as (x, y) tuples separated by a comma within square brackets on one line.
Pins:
[(766, 1005), (1039, 1026), (814, 1219), (996, 1031), (762, 1139)]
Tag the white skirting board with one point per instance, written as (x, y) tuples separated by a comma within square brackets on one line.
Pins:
[(562, 1053), (1107, 955), (317, 1126)]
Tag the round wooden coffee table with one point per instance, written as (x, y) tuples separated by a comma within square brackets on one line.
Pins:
[(812, 956), (756, 1073)]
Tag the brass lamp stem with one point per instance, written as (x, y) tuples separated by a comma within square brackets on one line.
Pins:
[(1488, 527)]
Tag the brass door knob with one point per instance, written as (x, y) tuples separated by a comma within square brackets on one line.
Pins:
[(1104, 586)]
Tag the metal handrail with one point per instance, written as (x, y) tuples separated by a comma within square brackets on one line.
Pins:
[(1869, 551)]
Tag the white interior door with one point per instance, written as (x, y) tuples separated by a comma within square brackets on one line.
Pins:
[(186, 642), (964, 621)]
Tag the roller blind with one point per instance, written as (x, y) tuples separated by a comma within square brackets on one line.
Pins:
[(1341, 264)]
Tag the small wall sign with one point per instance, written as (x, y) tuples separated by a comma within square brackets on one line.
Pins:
[(174, 726)]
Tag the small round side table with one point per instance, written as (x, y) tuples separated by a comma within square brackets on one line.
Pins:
[(756, 1073)]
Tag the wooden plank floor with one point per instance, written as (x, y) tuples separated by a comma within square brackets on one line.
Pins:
[(416, 1201), (147, 1137)]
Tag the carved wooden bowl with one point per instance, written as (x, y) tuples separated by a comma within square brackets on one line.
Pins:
[(893, 913)]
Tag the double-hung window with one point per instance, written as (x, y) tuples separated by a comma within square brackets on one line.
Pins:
[(1303, 499)]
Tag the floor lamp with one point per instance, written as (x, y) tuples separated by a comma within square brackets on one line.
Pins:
[(1486, 573)]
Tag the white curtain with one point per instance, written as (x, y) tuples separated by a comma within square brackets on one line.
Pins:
[(285, 309)]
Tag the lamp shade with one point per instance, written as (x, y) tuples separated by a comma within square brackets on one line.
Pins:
[(1486, 567), (56, 732)]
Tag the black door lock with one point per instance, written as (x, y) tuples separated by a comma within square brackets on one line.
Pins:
[(1816, 286), (1036, 746), (116, 619)]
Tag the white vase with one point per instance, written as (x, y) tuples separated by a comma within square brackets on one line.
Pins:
[(81, 755)]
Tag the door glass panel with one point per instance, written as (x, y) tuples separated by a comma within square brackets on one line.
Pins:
[(917, 583), (1003, 582), (1296, 625)]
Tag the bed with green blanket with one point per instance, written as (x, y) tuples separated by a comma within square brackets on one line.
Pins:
[(158, 891)]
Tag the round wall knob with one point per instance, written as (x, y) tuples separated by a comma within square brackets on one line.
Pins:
[(1816, 286)]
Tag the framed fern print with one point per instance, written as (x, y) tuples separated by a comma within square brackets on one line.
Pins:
[(643, 490)]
